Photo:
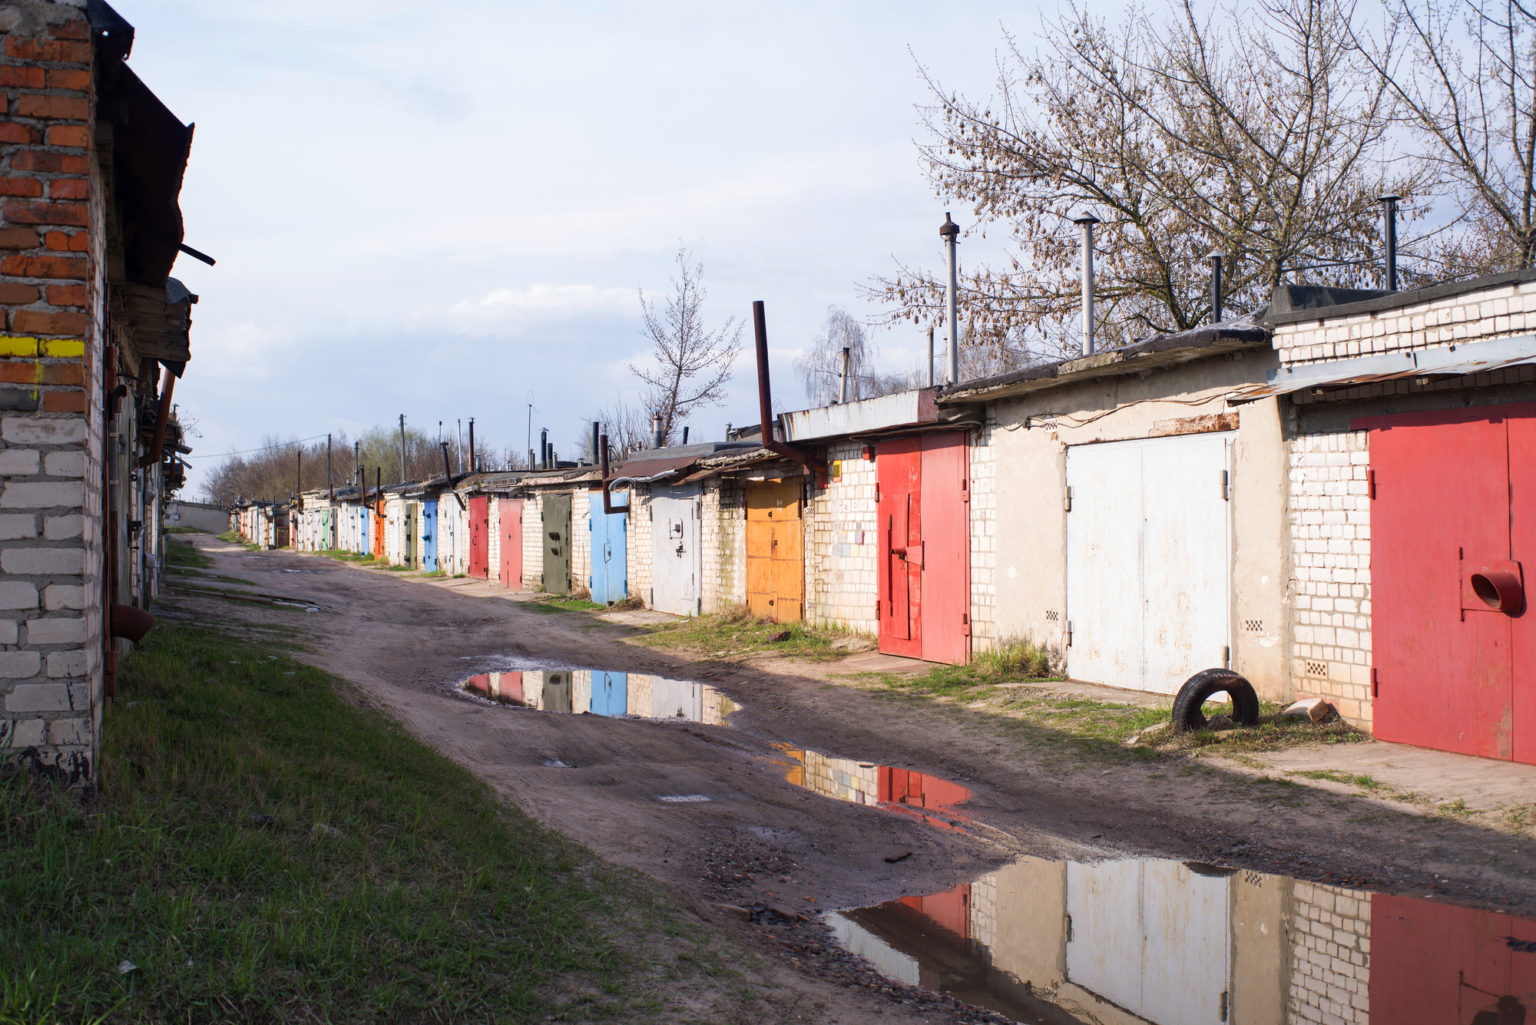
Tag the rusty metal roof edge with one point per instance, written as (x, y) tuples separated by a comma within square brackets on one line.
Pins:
[(1451, 360)]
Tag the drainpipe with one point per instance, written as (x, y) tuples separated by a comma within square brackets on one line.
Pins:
[(765, 399), (842, 390), (950, 231), (1389, 226), (157, 444), (1215, 259), (1087, 221)]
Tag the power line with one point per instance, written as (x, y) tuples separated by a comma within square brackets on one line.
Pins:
[(260, 448)]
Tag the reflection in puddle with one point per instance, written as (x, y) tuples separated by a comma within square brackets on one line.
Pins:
[(604, 692), (1176, 943), (918, 794)]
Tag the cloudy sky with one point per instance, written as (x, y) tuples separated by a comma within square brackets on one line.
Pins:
[(445, 209)]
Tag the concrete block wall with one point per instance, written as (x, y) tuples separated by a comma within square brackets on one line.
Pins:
[(842, 542), (1330, 956), (638, 548), (52, 291), (984, 513), (1499, 311), (1330, 535), (581, 537), (724, 540), (533, 542)]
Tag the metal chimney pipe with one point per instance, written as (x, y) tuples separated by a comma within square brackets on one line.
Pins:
[(329, 487), (1215, 259), (656, 436), (472, 467), (402, 448), (930, 355), (842, 390), (949, 231), (1389, 229), (1087, 221), (543, 448), (685, 434), (764, 403), (597, 432)]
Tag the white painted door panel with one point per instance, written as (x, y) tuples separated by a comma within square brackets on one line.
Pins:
[(1148, 560), (1152, 937), (676, 556)]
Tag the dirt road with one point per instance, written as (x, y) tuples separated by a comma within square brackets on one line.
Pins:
[(760, 841)]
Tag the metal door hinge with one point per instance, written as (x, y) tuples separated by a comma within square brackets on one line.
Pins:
[(1069, 633), (1226, 656), (1370, 483), (1067, 503), (877, 493), (877, 610), (1226, 489), (653, 598), (1375, 685)]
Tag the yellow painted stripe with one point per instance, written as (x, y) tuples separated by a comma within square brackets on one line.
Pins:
[(18, 345), (63, 348)]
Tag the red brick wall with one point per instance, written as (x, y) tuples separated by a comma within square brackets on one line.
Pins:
[(52, 234)]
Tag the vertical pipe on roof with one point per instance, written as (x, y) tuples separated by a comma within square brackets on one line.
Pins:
[(402, 448), (1215, 259), (685, 434), (764, 390), (950, 232), (930, 355), (1389, 230), (656, 434), (473, 468), (842, 389), (597, 430), (329, 487), (543, 448), (1087, 221)]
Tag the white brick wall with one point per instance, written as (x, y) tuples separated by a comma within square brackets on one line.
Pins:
[(533, 542), (639, 543), (724, 540), (1499, 312), (983, 513), (1330, 956), (581, 539), (1329, 522), (841, 543)]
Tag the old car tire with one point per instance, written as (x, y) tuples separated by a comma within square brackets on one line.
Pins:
[(1187, 714)]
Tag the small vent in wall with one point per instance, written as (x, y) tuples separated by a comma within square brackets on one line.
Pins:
[(1317, 668), (1052, 616), (1253, 626), (1254, 879)]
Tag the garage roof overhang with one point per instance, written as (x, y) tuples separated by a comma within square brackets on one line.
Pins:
[(1444, 362), (1153, 354), (866, 416)]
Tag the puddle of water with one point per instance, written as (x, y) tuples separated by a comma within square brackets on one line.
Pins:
[(928, 798), (1178, 943), (603, 692)]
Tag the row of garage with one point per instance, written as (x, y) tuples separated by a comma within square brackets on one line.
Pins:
[(1333, 500)]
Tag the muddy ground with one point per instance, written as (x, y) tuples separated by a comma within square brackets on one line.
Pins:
[(759, 842)]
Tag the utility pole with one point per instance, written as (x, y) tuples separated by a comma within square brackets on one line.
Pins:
[(402, 448)]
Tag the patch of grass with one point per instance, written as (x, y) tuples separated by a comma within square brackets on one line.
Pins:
[(736, 634), (344, 556), (1014, 662), (1273, 733), (183, 529), (181, 555), (1364, 782), (262, 850), (234, 537)]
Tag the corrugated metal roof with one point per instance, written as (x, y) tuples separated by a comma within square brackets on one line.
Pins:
[(1445, 361), (662, 463)]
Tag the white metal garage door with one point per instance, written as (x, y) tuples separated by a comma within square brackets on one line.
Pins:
[(677, 558), (1148, 560)]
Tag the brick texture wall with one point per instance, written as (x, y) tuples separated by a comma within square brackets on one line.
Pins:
[(724, 540), (52, 268), (533, 543), (581, 539), (841, 542), (639, 543), (984, 513), (1330, 956), (1501, 311)]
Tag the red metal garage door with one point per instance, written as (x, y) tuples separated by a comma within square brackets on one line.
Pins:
[(510, 511), (1451, 511), (480, 537), (924, 528)]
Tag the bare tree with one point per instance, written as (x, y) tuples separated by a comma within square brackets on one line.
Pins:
[(690, 363), (1465, 79), (1261, 139), (821, 368), (628, 430)]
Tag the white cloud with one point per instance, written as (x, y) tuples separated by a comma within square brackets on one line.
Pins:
[(503, 307)]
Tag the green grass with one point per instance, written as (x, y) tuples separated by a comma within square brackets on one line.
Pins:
[(183, 529), (233, 537), (261, 849), (181, 555), (735, 634), (1361, 780)]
